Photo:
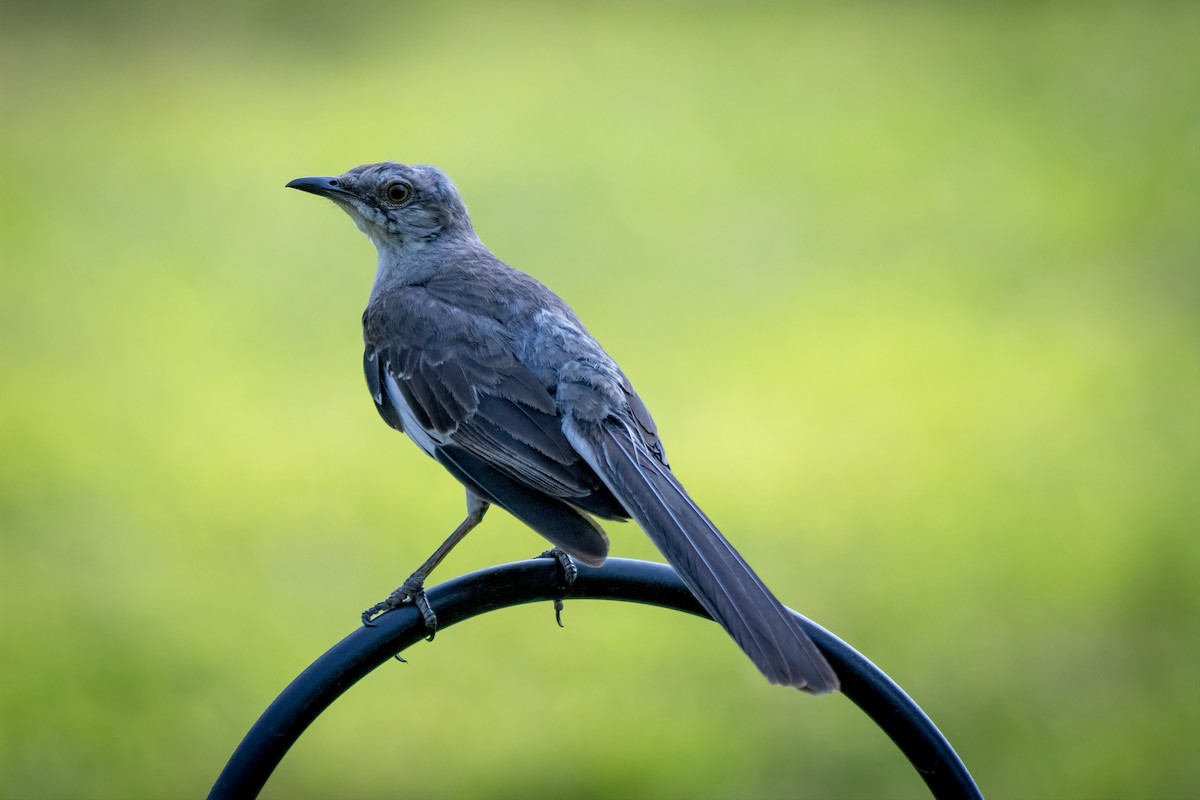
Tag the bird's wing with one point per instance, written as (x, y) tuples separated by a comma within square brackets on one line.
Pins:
[(453, 381)]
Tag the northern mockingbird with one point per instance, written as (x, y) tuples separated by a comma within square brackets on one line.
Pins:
[(494, 376)]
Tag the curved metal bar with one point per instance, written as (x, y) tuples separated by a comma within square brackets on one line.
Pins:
[(540, 579)]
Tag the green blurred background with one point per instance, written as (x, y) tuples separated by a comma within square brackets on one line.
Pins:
[(913, 293)]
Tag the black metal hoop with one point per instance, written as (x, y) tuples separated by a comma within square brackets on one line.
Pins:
[(540, 580)]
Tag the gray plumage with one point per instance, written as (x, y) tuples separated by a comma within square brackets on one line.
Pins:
[(493, 375)]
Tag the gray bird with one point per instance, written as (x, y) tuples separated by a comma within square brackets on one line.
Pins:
[(494, 376)]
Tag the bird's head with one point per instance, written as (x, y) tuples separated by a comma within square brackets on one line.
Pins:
[(395, 205)]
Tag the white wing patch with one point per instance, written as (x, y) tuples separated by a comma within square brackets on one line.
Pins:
[(425, 439)]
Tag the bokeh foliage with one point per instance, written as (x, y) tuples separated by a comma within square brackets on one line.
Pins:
[(912, 291)]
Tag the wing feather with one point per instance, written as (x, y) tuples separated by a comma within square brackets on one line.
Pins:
[(494, 408)]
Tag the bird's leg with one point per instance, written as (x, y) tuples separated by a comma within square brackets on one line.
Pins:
[(413, 589), (569, 573)]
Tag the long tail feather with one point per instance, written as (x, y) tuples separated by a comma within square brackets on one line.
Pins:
[(708, 564)]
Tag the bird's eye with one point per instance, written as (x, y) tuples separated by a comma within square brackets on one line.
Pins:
[(397, 192)]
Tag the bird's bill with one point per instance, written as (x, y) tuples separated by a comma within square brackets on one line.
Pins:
[(325, 187)]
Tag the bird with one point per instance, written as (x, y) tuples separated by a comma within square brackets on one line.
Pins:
[(494, 376)]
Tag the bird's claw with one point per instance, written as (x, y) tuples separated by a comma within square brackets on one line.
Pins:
[(569, 573), (422, 603), (368, 616), (411, 591)]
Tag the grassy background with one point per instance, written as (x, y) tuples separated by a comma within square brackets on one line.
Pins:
[(912, 293)]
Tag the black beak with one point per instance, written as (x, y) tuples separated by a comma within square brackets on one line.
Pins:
[(325, 187)]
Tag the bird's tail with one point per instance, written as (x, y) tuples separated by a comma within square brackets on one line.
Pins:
[(714, 572)]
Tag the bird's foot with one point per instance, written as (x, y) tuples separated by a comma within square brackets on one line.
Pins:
[(569, 573), (411, 591)]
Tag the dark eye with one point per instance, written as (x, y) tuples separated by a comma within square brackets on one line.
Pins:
[(397, 192)]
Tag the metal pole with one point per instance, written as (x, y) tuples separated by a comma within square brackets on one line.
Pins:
[(539, 580)]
